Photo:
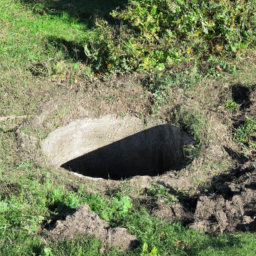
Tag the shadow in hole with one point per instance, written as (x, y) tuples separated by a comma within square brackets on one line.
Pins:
[(85, 11), (241, 95), (70, 49), (150, 152)]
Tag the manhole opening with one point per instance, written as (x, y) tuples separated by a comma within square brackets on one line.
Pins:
[(150, 152)]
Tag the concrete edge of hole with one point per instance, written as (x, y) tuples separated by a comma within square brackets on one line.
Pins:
[(111, 147)]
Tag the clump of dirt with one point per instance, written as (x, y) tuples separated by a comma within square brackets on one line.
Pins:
[(228, 205), (87, 223), (232, 206), (175, 212)]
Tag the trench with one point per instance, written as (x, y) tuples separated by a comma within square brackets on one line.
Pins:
[(96, 153)]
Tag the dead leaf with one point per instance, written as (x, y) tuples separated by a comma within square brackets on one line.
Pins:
[(218, 68)]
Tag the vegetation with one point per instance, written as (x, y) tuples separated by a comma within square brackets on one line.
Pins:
[(176, 44), (31, 198), (245, 135), (158, 33)]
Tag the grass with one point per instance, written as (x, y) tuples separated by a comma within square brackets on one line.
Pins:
[(26, 45), (37, 47), (33, 196)]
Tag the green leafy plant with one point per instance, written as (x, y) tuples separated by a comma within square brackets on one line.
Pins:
[(13, 216), (246, 133), (47, 252), (64, 200), (118, 207), (231, 105), (154, 34), (121, 205), (193, 122), (145, 251), (191, 152), (160, 192)]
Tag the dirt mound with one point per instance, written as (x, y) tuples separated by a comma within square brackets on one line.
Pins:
[(87, 223), (232, 205), (229, 205)]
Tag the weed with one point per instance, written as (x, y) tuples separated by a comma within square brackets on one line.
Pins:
[(157, 191), (231, 105), (191, 152), (145, 251), (245, 135), (193, 122)]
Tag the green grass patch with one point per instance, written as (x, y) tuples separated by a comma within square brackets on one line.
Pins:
[(245, 135), (24, 35), (24, 211), (27, 50)]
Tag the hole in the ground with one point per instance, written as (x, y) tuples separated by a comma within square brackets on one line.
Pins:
[(115, 149), (241, 95), (151, 152)]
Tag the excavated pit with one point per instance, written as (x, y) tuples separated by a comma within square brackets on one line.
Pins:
[(115, 148)]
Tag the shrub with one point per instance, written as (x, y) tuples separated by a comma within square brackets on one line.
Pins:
[(157, 33)]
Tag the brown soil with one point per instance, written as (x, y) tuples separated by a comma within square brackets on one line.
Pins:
[(228, 205), (87, 223)]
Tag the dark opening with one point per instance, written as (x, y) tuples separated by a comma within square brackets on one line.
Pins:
[(151, 152), (241, 95)]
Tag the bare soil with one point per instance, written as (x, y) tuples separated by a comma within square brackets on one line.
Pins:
[(87, 223), (228, 205)]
